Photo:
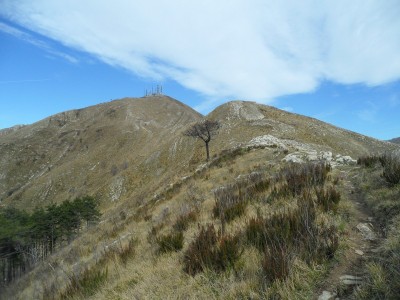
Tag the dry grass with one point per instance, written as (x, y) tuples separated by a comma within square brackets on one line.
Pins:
[(233, 272)]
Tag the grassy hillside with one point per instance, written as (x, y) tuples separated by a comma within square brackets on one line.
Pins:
[(248, 224)]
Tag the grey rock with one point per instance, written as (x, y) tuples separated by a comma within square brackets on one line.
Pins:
[(359, 252), (326, 295), (293, 157), (366, 232)]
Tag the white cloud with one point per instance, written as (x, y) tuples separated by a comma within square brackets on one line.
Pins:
[(253, 49), (35, 41)]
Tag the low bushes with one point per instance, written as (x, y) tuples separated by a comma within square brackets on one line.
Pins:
[(183, 221), (212, 251), (390, 162), (170, 242), (85, 285), (368, 161), (289, 233), (327, 198), (391, 168)]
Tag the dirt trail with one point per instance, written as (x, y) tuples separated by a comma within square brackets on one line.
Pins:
[(354, 257)]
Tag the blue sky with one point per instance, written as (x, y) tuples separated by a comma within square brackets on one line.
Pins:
[(333, 60)]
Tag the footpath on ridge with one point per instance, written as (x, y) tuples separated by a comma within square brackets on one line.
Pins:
[(363, 239)]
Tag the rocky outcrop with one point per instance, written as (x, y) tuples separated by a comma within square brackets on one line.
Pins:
[(302, 152)]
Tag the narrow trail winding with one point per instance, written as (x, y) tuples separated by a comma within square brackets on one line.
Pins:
[(363, 239)]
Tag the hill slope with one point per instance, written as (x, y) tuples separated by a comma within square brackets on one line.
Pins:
[(395, 140), (114, 149), (106, 150), (131, 155)]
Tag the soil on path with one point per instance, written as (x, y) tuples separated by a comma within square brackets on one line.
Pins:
[(360, 249)]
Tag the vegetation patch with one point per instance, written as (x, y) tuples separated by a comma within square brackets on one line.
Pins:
[(299, 177), (26, 239), (183, 220), (85, 285), (170, 242), (368, 161), (391, 168), (327, 198), (212, 251), (382, 280)]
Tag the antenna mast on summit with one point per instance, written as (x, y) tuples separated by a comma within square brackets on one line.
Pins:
[(158, 90)]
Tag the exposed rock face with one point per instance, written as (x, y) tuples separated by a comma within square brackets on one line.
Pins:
[(303, 152), (267, 141)]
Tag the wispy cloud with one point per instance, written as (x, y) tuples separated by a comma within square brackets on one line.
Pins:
[(35, 41), (252, 49)]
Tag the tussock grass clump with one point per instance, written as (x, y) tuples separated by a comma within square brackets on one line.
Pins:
[(170, 242), (228, 211), (277, 262), (183, 220), (212, 251), (85, 285), (255, 233), (390, 162), (230, 203), (299, 177), (328, 198), (128, 251), (257, 183), (289, 233)]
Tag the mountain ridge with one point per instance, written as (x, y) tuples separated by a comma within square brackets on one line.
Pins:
[(122, 142), (131, 156)]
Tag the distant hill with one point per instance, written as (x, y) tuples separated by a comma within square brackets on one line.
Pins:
[(395, 140)]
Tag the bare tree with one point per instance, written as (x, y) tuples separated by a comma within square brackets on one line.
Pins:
[(204, 130)]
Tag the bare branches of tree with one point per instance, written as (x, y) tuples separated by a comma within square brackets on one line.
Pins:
[(204, 130)]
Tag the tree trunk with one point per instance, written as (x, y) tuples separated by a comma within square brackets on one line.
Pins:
[(208, 151)]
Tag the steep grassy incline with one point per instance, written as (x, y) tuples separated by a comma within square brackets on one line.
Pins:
[(108, 151)]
